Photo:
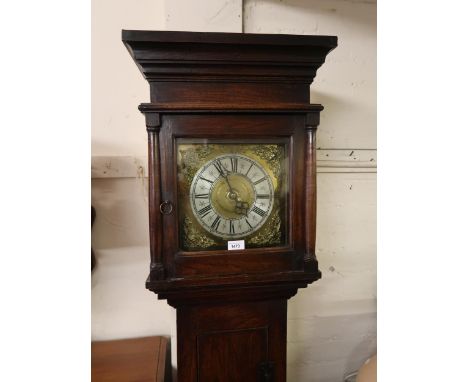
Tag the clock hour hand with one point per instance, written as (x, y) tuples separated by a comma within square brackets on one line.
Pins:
[(219, 166)]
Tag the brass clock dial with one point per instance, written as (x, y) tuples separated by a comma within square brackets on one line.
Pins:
[(231, 196), (231, 191)]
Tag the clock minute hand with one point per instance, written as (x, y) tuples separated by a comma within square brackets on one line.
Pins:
[(220, 168), (229, 184), (240, 206)]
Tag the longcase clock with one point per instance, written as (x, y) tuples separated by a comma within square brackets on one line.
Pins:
[(232, 191)]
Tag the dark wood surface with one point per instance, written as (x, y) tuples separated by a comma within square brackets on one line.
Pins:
[(93, 256), (130, 360), (179, 264), (310, 201), (227, 68), (229, 342), (231, 305), (154, 179), (176, 37)]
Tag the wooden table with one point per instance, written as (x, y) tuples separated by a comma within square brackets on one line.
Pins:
[(129, 360)]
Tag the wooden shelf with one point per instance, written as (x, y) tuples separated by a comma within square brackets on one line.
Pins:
[(129, 360)]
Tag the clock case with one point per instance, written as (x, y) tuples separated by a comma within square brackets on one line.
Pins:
[(233, 87)]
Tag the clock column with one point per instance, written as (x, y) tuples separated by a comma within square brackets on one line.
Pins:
[(155, 205), (310, 210)]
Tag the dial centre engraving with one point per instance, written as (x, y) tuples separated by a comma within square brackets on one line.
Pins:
[(226, 201)]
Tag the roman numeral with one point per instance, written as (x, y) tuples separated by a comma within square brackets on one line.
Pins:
[(218, 166), (259, 181), (202, 196), (248, 223), (234, 164), (258, 211), (215, 223), (263, 196), (249, 169), (206, 180), (204, 211), (231, 227)]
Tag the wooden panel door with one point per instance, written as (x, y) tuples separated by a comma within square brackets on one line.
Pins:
[(230, 356), (232, 342)]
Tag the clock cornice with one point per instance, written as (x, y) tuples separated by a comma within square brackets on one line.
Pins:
[(238, 67)]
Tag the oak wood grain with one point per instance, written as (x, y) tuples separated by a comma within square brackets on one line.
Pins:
[(129, 360)]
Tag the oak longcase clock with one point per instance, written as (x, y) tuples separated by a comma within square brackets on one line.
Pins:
[(232, 191)]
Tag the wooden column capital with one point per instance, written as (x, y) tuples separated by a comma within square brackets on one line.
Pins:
[(152, 120)]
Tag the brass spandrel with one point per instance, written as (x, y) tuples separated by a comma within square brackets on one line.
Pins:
[(194, 237), (270, 234)]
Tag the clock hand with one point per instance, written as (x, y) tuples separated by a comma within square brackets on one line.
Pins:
[(229, 184), (225, 176), (240, 207)]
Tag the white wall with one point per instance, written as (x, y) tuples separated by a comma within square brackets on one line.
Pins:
[(346, 84), (121, 306), (204, 16), (332, 323), (116, 84)]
